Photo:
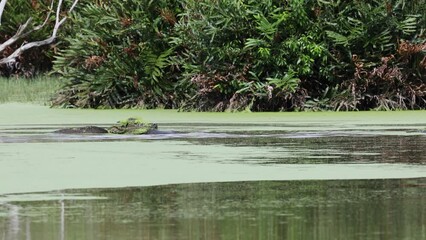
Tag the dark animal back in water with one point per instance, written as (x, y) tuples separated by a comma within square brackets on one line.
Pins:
[(83, 130)]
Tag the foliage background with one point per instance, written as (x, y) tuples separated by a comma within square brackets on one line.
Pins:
[(118, 55), (271, 55)]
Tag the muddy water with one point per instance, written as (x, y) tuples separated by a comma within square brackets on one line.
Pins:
[(213, 176)]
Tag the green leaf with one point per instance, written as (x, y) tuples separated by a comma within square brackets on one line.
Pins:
[(286, 83), (255, 43), (338, 38)]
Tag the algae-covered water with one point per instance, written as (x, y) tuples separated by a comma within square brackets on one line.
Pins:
[(213, 176)]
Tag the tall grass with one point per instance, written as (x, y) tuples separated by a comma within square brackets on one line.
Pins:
[(38, 90)]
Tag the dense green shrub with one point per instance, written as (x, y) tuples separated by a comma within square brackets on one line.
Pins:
[(376, 53), (118, 55), (273, 55), (247, 54)]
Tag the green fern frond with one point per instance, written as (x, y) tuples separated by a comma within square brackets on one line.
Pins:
[(252, 43), (409, 25), (286, 83), (338, 38)]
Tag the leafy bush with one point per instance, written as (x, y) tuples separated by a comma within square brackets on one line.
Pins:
[(246, 54), (376, 48), (118, 56)]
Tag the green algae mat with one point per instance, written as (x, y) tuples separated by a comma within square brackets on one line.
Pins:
[(325, 175)]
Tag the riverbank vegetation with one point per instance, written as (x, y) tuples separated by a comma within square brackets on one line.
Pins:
[(256, 55), (40, 89)]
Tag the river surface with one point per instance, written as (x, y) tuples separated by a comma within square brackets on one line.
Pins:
[(213, 176)]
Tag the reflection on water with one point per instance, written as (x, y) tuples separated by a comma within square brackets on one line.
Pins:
[(368, 209), (319, 148)]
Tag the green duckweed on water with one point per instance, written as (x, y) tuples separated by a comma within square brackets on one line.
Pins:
[(207, 147), (274, 175)]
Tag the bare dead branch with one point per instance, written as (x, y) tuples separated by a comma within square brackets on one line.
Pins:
[(21, 33), (2, 5), (18, 35)]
